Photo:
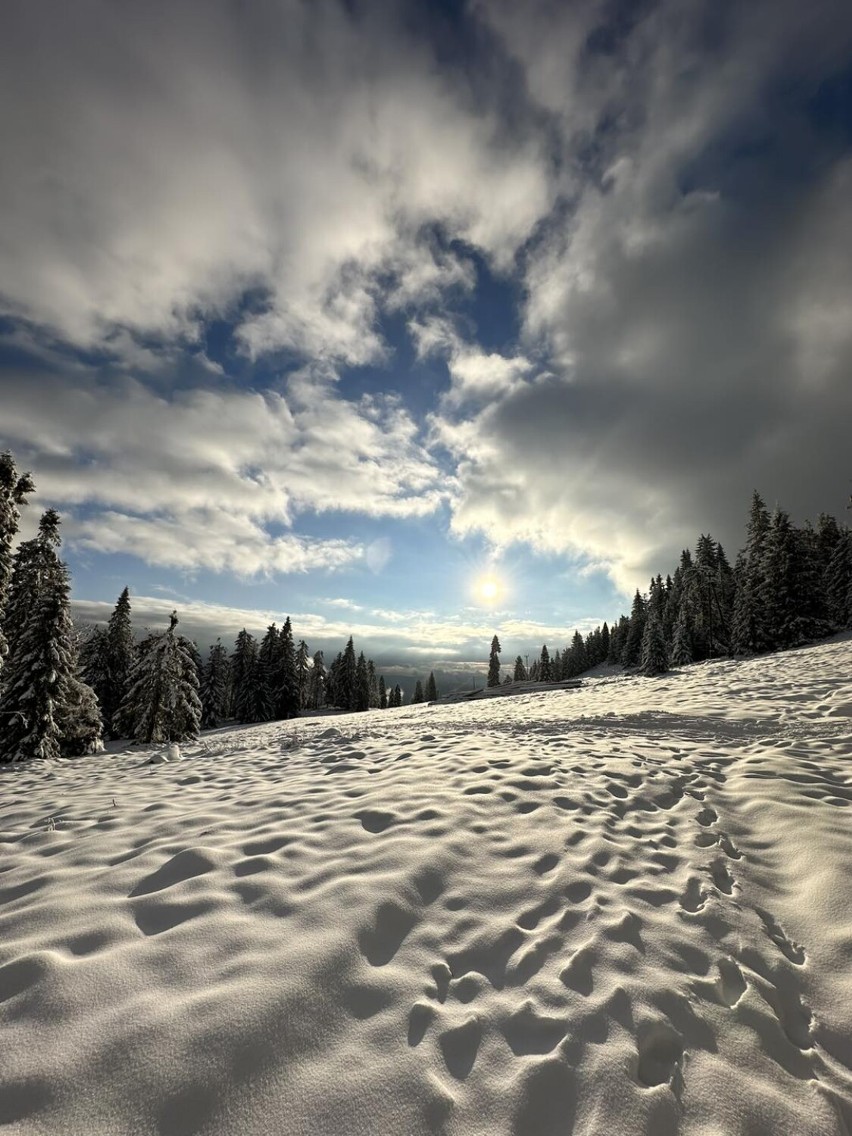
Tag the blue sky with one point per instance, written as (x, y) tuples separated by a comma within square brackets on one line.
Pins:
[(335, 310)]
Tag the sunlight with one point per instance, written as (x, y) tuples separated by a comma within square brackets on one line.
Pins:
[(487, 589)]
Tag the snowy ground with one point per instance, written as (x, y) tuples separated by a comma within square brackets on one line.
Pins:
[(616, 910)]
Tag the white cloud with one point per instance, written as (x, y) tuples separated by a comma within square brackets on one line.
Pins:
[(197, 479), (295, 149)]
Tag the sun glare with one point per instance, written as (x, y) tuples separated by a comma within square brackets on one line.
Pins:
[(487, 589)]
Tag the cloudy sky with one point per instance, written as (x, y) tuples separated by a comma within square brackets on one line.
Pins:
[(338, 308)]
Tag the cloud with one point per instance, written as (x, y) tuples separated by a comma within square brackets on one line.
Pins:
[(203, 478), (414, 637), (689, 300), (656, 179), (301, 151)]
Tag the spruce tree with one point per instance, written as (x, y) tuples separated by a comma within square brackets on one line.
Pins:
[(654, 660), (317, 683), (431, 688), (215, 692), (777, 585), (346, 687), (93, 654), (520, 674), (46, 710), (418, 692), (545, 671), (383, 694), (287, 705), (838, 584), (373, 684), (681, 652), (494, 663), (579, 661), (244, 679), (121, 655), (303, 671), (14, 488), (362, 684), (163, 703), (269, 673), (631, 654)]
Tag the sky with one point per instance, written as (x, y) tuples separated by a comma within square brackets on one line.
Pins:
[(420, 321)]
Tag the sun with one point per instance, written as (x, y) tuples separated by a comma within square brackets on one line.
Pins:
[(487, 589)]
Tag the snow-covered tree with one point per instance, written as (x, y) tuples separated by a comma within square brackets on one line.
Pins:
[(631, 654), (494, 663), (269, 673), (654, 660), (681, 652), (287, 704), (245, 687), (839, 581), (215, 692), (317, 683), (121, 655), (14, 487), (93, 654), (163, 703), (46, 710), (362, 684), (303, 672)]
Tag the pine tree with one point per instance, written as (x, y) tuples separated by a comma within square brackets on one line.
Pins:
[(303, 669), (494, 663), (383, 694), (373, 683), (14, 488), (545, 671), (777, 586), (163, 704), (346, 687), (418, 693), (520, 670), (839, 582), (269, 674), (654, 660), (579, 659), (244, 679), (93, 654), (121, 655), (215, 691), (631, 654), (604, 647), (45, 709), (317, 683), (362, 684), (287, 698), (431, 688), (681, 652)]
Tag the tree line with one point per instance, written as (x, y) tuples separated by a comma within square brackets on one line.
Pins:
[(61, 692), (789, 585)]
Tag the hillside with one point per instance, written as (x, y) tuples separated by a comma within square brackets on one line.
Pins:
[(619, 909)]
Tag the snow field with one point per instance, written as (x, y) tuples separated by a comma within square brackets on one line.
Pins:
[(620, 909)]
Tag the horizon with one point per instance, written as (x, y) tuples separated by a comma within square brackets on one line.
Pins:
[(420, 323)]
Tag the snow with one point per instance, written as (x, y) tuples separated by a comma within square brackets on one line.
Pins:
[(619, 909)]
